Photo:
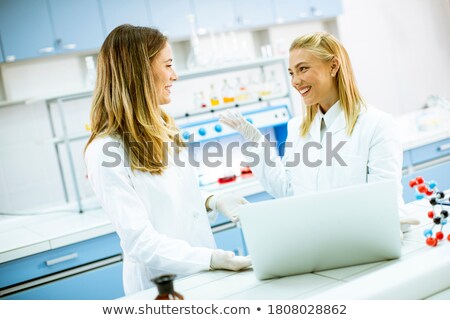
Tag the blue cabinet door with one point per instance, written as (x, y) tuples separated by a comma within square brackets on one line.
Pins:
[(428, 152), (117, 12), (104, 283), (289, 11), (1, 50), (77, 24), (57, 260), (322, 9), (254, 13), (214, 15), (262, 196), (439, 173), (170, 17), (231, 240), (407, 161), (26, 30)]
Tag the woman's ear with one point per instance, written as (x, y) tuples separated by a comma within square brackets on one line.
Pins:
[(335, 65)]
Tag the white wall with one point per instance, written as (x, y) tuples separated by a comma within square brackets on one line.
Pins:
[(400, 50)]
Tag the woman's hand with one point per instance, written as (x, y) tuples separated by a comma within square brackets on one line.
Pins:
[(236, 121), (228, 260), (227, 204)]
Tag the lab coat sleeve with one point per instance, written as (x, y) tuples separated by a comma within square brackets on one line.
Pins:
[(272, 171), (386, 157), (139, 240)]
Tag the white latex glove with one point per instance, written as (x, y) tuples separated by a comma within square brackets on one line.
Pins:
[(228, 260), (227, 204), (236, 121), (405, 223)]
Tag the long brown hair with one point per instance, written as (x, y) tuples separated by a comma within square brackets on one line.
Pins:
[(125, 102), (326, 47)]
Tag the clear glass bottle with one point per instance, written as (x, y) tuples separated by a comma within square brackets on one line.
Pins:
[(164, 284), (227, 92), (213, 97), (193, 60), (253, 87), (200, 100), (242, 93), (264, 89), (91, 73), (274, 86)]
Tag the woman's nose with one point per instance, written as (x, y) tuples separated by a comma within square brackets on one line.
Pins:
[(296, 80), (174, 76)]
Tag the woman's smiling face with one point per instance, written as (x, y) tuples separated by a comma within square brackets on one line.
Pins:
[(164, 74), (313, 78)]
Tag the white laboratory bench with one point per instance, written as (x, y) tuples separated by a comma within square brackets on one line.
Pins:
[(420, 273)]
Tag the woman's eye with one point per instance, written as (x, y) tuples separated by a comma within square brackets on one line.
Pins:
[(303, 69)]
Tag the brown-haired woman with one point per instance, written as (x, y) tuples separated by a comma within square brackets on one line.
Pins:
[(139, 170)]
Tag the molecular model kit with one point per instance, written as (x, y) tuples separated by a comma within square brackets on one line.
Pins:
[(438, 200)]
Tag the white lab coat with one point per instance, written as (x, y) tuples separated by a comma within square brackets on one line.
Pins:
[(161, 220), (372, 153)]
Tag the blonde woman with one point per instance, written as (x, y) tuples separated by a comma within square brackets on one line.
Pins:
[(138, 169), (339, 141)]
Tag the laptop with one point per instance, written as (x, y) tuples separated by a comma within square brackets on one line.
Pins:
[(325, 230)]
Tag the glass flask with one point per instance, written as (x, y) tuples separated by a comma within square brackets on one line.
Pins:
[(164, 284)]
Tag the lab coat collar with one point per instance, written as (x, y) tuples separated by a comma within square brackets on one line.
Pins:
[(331, 115), (334, 120)]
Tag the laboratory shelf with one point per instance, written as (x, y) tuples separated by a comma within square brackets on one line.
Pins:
[(230, 67)]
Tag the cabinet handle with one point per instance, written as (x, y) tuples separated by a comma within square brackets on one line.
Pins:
[(444, 147), (10, 58), (69, 46), (46, 50), (61, 259)]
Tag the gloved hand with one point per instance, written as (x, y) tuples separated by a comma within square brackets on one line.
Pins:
[(405, 223), (227, 204), (228, 260), (236, 121)]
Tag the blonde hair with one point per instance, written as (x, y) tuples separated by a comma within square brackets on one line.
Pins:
[(125, 102), (326, 47)]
